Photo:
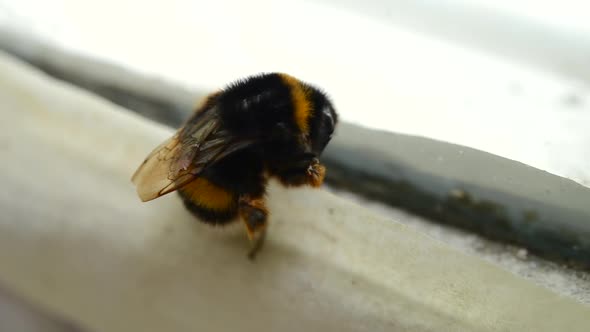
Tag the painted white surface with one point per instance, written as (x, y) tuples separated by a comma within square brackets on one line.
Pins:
[(380, 74)]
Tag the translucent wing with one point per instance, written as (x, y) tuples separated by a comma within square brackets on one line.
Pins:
[(180, 159)]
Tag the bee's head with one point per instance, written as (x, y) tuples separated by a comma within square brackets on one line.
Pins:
[(299, 143), (307, 129), (322, 121)]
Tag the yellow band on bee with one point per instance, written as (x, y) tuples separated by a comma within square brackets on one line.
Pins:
[(208, 195), (301, 103)]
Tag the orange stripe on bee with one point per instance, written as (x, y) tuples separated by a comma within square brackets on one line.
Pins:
[(301, 103), (208, 195)]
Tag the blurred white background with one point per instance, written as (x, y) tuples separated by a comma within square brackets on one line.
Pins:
[(510, 77)]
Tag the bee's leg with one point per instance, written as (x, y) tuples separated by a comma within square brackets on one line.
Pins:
[(257, 244), (254, 214), (315, 173)]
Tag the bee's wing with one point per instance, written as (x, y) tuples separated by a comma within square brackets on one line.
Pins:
[(180, 159)]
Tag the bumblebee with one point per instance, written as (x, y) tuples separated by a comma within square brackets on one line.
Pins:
[(220, 160)]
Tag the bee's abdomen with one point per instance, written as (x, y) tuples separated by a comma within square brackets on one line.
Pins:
[(209, 202)]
